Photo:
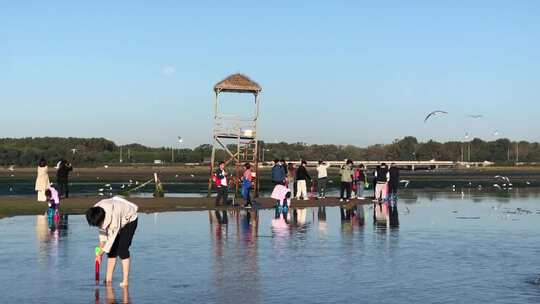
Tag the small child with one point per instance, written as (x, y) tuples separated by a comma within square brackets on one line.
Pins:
[(53, 200), (116, 218)]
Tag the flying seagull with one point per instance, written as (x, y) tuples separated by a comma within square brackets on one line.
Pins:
[(476, 116), (434, 113)]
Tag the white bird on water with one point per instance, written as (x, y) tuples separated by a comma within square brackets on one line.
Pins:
[(405, 181), (434, 113), (11, 168)]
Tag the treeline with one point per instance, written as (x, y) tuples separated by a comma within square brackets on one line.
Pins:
[(98, 151), (501, 151)]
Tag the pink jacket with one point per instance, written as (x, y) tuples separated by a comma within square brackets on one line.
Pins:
[(54, 197), (247, 175), (279, 193)]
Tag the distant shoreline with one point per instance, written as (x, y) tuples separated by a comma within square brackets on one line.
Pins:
[(200, 174)]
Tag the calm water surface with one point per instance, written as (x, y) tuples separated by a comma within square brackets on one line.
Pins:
[(449, 248)]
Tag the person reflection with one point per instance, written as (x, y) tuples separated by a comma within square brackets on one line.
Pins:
[(280, 225), (321, 216), (218, 223), (249, 225), (360, 215), (48, 235), (110, 296), (346, 215)]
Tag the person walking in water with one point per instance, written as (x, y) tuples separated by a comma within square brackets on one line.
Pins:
[(42, 180), (62, 178), (322, 178), (220, 179), (116, 219), (347, 176), (278, 173), (302, 176)]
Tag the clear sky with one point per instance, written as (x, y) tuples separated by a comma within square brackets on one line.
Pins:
[(343, 72)]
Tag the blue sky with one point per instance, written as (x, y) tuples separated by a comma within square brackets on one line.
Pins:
[(343, 72)]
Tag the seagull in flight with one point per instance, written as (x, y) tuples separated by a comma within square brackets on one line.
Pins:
[(434, 113), (476, 116)]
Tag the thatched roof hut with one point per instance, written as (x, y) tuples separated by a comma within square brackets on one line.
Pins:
[(237, 83)]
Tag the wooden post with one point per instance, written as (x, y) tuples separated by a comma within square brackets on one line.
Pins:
[(213, 157), (256, 149)]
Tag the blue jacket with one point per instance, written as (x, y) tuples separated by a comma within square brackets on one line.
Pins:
[(278, 173)]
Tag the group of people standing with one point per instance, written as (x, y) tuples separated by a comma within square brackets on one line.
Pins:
[(353, 180), (296, 179), (63, 169), (221, 181)]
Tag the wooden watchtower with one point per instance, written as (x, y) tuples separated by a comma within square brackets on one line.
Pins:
[(236, 135)]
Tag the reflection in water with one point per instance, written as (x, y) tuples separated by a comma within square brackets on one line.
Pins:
[(249, 256), (238, 256), (110, 296), (49, 231), (321, 217), (385, 213), (351, 216)]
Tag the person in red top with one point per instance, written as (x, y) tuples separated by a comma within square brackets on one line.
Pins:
[(220, 178)]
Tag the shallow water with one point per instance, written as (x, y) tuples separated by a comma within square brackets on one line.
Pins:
[(449, 248)]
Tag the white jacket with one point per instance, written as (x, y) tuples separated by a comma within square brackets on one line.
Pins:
[(118, 213), (322, 170)]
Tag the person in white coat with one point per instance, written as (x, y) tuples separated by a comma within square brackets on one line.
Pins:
[(42, 180)]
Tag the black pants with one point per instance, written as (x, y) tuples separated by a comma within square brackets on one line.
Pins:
[(63, 188), (393, 188), (345, 186), (123, 240), (222, 194), (321, 185)]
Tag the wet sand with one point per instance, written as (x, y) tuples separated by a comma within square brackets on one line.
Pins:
[(13, 206)]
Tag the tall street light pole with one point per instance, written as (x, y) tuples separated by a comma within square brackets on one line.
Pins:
[(180, 141)]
